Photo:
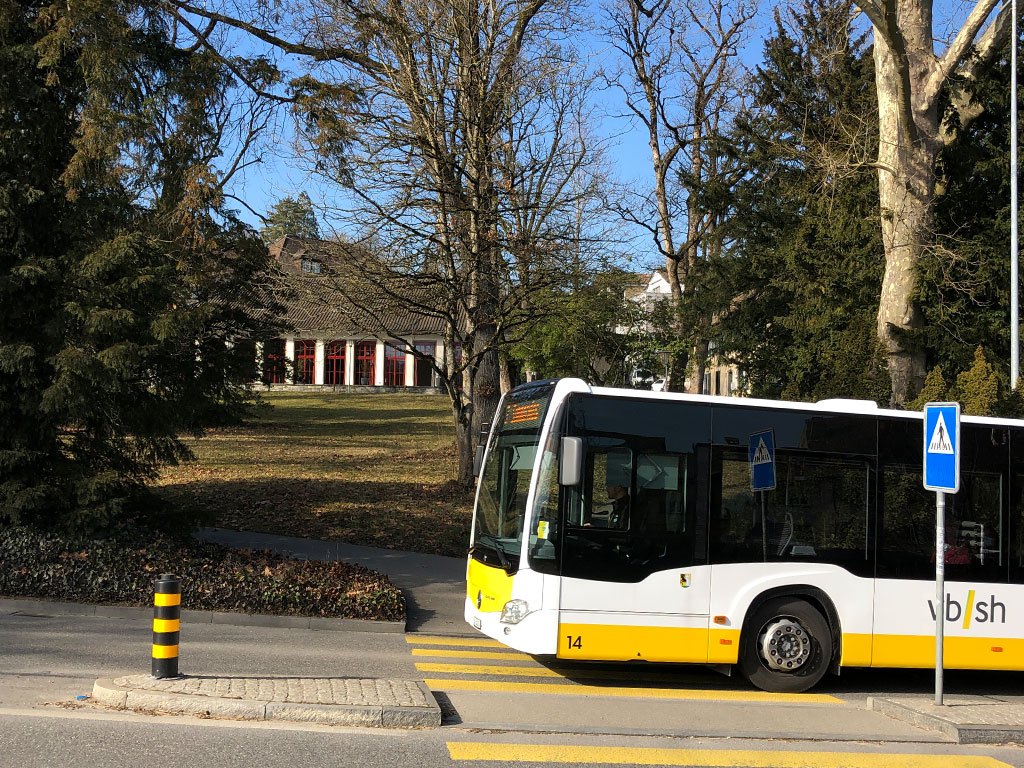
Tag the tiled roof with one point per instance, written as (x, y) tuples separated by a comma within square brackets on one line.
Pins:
[(348, 298)]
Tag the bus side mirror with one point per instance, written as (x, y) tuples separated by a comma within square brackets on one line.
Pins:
[(478, 460), (570, 465)]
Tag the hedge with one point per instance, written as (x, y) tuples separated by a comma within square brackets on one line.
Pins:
[(121, 571)]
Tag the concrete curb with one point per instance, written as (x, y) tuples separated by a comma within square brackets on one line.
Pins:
[(962, 733), (108, 693), (54, 608)]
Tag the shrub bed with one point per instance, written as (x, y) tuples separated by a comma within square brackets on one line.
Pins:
[(121, 570)]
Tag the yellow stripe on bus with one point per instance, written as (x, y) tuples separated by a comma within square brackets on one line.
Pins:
[(164, 601), (573, 689), (166, 625), (918, 651), (458, 642), (705, 758)]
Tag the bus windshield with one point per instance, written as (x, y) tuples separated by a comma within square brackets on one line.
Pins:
[(500, 513)]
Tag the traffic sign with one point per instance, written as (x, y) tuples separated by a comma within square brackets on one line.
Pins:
[(761, 455), (942, 447)]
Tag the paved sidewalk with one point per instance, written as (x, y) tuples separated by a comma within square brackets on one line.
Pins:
[(965, 719), (331, 701)]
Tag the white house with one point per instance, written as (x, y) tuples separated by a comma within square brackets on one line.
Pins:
[(720, 377), (337, 344)]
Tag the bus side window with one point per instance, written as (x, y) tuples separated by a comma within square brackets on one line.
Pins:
[(975, 532)]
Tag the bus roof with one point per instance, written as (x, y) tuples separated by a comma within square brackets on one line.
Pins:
[(833, 405)]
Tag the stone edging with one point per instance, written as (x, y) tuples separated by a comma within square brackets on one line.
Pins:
[(108, 693), (966, 733), (55, 608)]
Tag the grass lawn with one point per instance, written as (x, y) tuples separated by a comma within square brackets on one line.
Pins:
[(364, 469)]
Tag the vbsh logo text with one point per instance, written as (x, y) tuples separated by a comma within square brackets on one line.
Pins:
[(989, 611)]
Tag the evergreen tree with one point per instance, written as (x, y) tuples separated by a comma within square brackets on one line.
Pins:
[(126, 290), (807, 261), (589, 331), (291, 216), (965, 290)]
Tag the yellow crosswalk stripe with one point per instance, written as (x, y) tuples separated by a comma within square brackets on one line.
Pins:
[(492, 655), (709, 758), (488, 669), (582, 689), (459, 642), (572, 673)]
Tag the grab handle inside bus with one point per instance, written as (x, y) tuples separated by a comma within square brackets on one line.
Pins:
[(570, 466)]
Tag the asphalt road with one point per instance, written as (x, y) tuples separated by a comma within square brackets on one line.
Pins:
[(500, 709)]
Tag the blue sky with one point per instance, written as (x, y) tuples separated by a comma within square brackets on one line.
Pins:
[(282, 174)]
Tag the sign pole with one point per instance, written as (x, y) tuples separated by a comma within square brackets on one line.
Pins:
[(940, 590), (942, 475)]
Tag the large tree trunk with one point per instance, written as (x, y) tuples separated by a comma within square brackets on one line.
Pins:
[(908, 147), (464, 448)]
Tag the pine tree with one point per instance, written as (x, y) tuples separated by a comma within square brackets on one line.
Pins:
[(807, 260), (291, 216), (126, 290), (965, 276)]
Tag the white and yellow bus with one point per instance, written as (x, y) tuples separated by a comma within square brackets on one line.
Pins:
[(614, 525)]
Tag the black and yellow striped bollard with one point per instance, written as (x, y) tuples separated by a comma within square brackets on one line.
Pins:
[(166, 625)]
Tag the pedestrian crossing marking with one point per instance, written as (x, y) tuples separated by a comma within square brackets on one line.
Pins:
[(708, 758), (583, 689), (940, 442), (570, 673), (458, 642), (492, 655), (488, 669), (761, 454)]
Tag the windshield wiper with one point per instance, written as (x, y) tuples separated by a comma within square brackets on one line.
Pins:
[(491, 542)]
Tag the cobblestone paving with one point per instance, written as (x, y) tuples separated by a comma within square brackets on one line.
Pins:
[(292, 690)]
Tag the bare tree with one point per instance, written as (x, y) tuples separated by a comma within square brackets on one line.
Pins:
[(914, 127), (457, 128), (681, 83)]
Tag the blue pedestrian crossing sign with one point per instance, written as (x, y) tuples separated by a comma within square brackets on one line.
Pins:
[(761, 455), (942, 447)]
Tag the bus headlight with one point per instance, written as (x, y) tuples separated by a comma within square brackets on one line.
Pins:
[(514, 611)]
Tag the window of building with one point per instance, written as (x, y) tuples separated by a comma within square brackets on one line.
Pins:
[(334, 363), (273, 362), (305, 361), (311, 266), (424, 369), (366, 363), (394, 366), (457, 360)]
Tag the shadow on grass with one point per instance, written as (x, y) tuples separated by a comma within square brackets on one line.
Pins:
[(432, 518)]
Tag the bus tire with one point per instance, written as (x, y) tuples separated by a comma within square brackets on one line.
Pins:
[(786, 646)]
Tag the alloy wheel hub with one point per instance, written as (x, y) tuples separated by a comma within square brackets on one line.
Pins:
[(785, 645)]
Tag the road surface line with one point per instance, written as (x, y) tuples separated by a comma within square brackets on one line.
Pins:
[(706, 758), (573, 689), (468, 642), (493, 655)]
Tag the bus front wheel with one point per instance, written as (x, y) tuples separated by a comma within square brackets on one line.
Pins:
[(786, 646)]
